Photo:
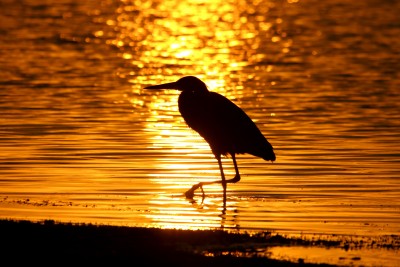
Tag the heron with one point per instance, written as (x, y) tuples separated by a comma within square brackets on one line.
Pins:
[(227, 128)]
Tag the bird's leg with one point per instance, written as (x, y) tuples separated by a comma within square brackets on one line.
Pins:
[(237, 175), (223, 181), (190, 193)]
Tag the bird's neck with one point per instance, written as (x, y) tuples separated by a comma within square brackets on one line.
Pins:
[(190, 99)]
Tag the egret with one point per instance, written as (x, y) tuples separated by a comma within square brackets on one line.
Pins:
[(226, 128)]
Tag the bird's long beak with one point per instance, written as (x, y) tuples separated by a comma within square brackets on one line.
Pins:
[(173, 85)]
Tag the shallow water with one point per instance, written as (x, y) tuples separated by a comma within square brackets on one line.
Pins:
[(82, 141)]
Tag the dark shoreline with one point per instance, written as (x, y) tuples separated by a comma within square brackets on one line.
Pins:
[(50, 242)]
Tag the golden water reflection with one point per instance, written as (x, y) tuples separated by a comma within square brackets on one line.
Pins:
[(81, 141), (214, 40), (174, 212)]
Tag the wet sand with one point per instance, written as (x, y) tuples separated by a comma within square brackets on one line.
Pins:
[(49, 242)]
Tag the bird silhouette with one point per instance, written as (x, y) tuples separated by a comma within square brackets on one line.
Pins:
[(226, 128)]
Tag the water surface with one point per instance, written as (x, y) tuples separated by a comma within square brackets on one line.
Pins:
[(81, 141)]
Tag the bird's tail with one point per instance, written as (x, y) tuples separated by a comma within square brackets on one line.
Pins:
[(271, 156), (267, 153)]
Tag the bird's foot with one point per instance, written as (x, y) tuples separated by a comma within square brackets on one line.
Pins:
[(190, 193), (202, 191)]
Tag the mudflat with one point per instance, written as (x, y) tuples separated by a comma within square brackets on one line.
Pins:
[(49, 242)]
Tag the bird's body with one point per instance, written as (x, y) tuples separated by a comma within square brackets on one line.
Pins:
[(225, 127)]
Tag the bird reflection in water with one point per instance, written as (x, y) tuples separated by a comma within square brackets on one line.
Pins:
[(227, 128)]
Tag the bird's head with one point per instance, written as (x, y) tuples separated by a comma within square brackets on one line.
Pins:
[(187, 83)]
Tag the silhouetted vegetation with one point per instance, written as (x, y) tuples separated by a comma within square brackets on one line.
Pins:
[(54, 243)]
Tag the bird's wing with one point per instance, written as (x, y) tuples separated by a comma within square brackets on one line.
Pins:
[(232, 131)]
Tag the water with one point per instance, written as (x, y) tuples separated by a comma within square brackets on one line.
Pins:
[(81, 141)]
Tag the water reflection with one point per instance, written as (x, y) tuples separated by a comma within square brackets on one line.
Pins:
[(81, 141), (184, 36), (174, 212), (214, 40)]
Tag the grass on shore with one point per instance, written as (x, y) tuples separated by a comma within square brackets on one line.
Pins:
[(49, 242)]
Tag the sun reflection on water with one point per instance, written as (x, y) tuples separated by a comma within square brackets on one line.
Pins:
[(83, 142), (206, 214), (214, 40)]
